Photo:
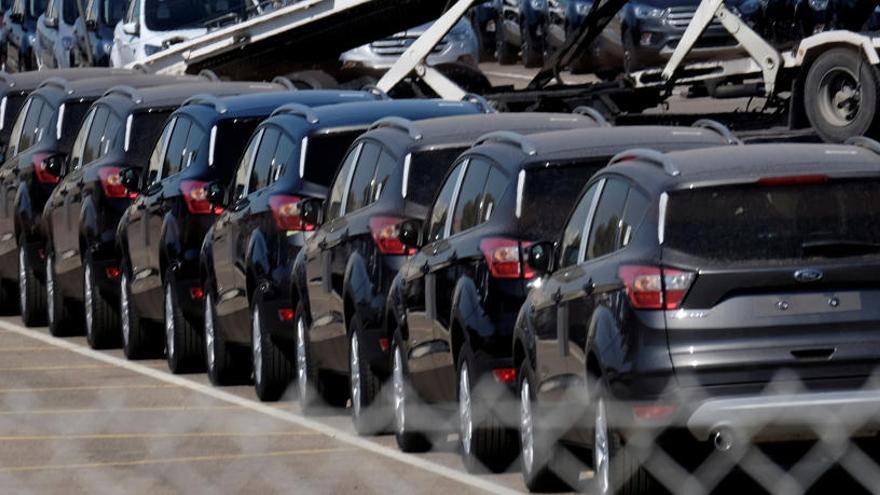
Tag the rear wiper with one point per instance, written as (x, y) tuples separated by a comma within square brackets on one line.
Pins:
[(838, 248)]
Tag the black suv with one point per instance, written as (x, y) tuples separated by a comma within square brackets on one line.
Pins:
[(81, 215), (724, 292), (248, 253), (452, 307), (342, 276), (161, 233), (41, 137)]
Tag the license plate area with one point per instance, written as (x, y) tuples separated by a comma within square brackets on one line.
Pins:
[(806, 304)]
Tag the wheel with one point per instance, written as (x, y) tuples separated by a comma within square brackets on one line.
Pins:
[(31, 291), (616, 470), (367, 410), (59, 319), (505, 52), (538, 449), (136, 342), (313, 79), (486, 443), (531, 49), (101, 316), (218, 358), (273, 372), (184, 346), (630, 54), (841, 94), (312, 387), (408, 440)]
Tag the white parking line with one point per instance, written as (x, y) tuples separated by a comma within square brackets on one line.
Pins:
[(335, 433)]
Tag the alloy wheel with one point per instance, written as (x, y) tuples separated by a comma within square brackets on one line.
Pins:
[(399, 394), (257, 346), (526, 427), (465, 415), (89, 300), (354, 365), (50, 289), (169, 323), (22, 278), (601, 456), (124, 309), (302, 377), (209, 332)]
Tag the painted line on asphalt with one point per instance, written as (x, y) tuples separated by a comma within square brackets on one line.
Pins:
[(173, 460), (147, 436), (78, 388), (335, 433), (33, 348), (119, 410), (57, 368)]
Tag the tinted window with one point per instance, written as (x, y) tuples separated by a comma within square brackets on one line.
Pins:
[(105, 127), (549, 194), (112, 11), (334, 204), (134, 10), (30, 124), (496, 184), (440, 210), (74, 112), (605, 233), (262, 168), (46, 123), (232, 137), (776, 224), (573, 234), (324, 153), (239, 187), (636, 207), (426, 170), (176, 147), (362, 182), (283, 156), (71, 11), (156, 158), (385, 167), (15, 136), (467, 206), (166, 15), (80, 141), (146, 127)]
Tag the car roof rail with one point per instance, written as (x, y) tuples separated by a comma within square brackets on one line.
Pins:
[(653, 157), (865, 143), (508, 137), (297, 109), (209, 75), (124, 90), (593, 114), (57, 82), (376, 91), (283, 81), (481, 102), (208, 100), (718, 127), (398, 123)]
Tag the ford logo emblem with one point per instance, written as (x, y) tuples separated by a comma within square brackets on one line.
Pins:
[(808, 275)]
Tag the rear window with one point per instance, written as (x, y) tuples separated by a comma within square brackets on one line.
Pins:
[(146, 127), (550, 193), (324, 153), (232, 137), (74, 112), (752, 223), (13, 106), (426, 172)]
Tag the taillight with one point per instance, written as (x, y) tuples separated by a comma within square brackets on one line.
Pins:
[(793, 180), (195, 195), (285, 210), (385, 233), (43, 175), (111, 181), (505, 258), (651, 287), (505, 375)]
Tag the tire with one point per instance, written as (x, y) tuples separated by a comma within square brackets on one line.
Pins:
[(218, 358), (368, 412), (486, 443), (841, 95), (101, 316), (60, 322), (505, 52), (136, 341), (31, 291), (532, 51), (313, 79), (408, 439), (312, 387), (184, 344), (273, 372)]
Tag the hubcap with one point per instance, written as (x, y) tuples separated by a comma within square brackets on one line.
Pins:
[(526, 431), (209, 332), (354, 364), (257, 347), (301, 365), (123, 306), (90, 317), (50, 290), (839, 96), (600, 449), (22, 278), (464, 409), (399, 395), (169, 322)]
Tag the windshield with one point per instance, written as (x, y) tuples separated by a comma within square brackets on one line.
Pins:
[(762, 224), (71, 12), (168, 15), (112, 11), (35, 8)]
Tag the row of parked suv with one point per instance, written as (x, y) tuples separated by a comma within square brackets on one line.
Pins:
[(546, 285)]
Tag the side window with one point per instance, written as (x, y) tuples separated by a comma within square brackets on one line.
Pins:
[(337, 192), (496, 184), (633, 213), (283, 157), (605, 232), (78, 144), (239, 187), (467, 205), (30, 127), (93, 142), (360, 191), (133, 11), (573, 234), (19, 125), (174, 151), (384, 168), (440, 210), (45, 124), (259, 177), (156, 158)]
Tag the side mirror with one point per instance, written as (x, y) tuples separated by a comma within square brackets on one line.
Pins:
[(131, 179), (54, 164), (16, 17), (50, 22), (131, 28), (311, 210), (217, 194), (540, 257), (91, 25), (410, 233)]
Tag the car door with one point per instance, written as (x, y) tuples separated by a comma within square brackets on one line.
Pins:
[(23, 137)]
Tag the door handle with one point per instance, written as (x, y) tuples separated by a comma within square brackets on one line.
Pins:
[(557, 296), (426, 268), (589, 287)]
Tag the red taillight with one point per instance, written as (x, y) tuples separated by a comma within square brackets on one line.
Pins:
[(196, 293), (793, 180), (195, 195), (43, 175), (285, 210), (112, 272), (111, 181), (505, 259), (384, 344), (385, 233), (654, 412), (651, 287), (285, 314), (504, 375)]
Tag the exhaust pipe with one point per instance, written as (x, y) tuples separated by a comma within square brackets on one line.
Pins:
[(722, 439)]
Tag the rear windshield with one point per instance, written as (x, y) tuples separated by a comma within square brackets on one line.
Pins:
[(324, 153), (753, 223), (168, 15), (549, 194), (232, 137), (426, 172), (145, 130)]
